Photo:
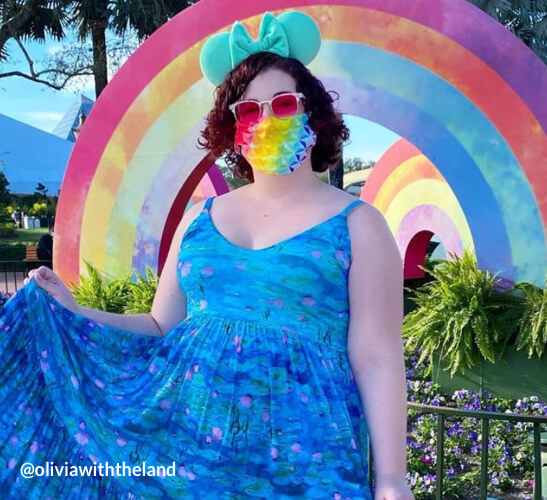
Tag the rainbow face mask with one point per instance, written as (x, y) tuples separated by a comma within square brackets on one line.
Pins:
[(275, 146)]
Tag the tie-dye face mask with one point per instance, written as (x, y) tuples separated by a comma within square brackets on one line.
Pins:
[(275, 146)]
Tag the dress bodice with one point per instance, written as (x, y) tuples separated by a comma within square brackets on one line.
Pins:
[(299, 283)]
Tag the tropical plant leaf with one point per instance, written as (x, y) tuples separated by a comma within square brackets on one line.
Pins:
[(464, 314)]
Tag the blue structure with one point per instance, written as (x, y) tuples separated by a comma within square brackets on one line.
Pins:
[(64, 128), (29, 155)]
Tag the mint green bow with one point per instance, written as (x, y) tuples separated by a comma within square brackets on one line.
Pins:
[(271, 38), (292, 34)]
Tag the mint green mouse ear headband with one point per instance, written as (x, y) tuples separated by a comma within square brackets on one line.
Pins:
[(292, 34)]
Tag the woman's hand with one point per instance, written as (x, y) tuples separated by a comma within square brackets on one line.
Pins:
[(392, 488), (51, 283)]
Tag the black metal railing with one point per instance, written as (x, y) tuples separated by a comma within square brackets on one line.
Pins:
[(13, 272), (485, 417)]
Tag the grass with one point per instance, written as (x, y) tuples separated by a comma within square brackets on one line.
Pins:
[(25, 237)]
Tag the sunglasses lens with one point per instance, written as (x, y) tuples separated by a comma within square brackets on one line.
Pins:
[(284, 105), (247, 111)]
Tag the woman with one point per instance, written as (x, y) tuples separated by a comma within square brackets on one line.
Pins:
[(251, 376)]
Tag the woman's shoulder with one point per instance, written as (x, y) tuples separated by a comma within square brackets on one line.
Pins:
[(368, 228), (337, 197), (187, 219)]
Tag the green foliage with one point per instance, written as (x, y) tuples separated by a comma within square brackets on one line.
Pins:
[(7, 230), (41, 191), (525, 19), (5, 196), (121, 296), (11, 252), (35, 20), (356, 164), (38, 209), (532, 328), (94, 293), (13, 247), (142, 293), (31, 20), (461, 315)]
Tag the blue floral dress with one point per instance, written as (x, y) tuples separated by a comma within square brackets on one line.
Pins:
[(250, 396)]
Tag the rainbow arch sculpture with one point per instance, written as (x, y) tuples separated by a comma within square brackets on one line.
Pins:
[(417, 202), (436, 72)]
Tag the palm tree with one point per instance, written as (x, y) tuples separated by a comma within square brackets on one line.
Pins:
[(93, 17), (32, 19), (527, 19)]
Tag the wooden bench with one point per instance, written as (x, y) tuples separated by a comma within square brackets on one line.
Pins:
[(31, 253)]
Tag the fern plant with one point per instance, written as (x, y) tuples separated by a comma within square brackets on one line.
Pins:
[(532, 327), (141, 295), (119, 296), (95, 293), (460, 315)]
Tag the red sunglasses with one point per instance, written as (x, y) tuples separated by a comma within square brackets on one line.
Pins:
[(282, 106)]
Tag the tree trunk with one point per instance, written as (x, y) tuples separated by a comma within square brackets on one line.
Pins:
[(98, 37)]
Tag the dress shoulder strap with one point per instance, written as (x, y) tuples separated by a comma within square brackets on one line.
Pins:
[(351, 206), (208, 203)]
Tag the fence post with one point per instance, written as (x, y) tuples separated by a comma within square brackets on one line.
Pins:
[(484, 457), (440, 456)]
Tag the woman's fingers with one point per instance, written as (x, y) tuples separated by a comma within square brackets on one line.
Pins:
[(48, 285), (43, 275), (32, 272), (43, 271)]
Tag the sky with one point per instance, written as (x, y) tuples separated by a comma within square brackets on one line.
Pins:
[(43, 107)]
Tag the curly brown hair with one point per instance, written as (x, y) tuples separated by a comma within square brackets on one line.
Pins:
[(219, 133)]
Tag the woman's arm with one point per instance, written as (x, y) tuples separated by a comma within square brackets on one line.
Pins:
[(169, 306), (375, 347), (144, 323)]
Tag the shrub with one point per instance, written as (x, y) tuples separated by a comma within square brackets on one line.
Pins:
[(461, 315), (119, 296), (142, 293), (7, 229), (532, 327)]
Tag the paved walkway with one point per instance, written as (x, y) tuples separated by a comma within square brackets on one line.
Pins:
[(11, 281)]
